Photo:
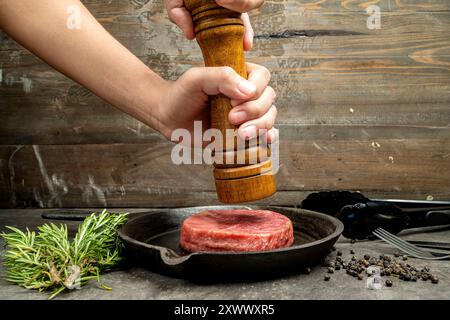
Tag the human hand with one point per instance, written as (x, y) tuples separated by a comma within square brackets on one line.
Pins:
[(179, 15), (186, 100)]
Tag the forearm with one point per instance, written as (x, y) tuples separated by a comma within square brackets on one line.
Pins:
[(88, 55)]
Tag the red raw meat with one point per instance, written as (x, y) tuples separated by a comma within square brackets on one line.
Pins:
[(236, 230)]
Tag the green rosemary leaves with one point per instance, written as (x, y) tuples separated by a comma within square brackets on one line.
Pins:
[(49, 261)]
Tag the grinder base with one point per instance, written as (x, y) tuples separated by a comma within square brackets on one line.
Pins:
[(245, 184)]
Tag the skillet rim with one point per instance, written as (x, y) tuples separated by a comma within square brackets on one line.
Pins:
[(339, 228)]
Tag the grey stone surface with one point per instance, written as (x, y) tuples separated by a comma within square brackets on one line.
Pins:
[(139, 283)]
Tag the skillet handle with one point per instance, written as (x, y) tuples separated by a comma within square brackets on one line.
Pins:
[(71, 215)]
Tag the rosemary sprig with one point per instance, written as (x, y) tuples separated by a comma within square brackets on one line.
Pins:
[(49, 261)]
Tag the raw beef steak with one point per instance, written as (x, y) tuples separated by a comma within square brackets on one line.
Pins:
[(236, 230)]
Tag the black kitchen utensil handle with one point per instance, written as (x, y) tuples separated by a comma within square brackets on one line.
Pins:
[(425, 209), (438, 217), (75, 215), (331, 202), (405, 204)]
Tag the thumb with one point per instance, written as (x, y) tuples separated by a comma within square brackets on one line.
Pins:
[(216, 80)]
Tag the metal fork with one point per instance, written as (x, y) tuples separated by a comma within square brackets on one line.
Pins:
[(407, 247)]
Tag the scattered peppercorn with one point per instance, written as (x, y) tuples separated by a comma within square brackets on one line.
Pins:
[(352, 241), (326, 278), (405, 258), (307, 270), (387, 266), (388, 283)]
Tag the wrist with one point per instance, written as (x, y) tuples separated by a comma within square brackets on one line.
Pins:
[(161, 109), (146, 100)]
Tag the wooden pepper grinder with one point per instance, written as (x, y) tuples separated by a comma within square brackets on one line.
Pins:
[(220, 34)]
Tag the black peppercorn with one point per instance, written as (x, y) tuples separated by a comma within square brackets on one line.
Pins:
[(396, 254), (307, 270), (326, 278), (405, 258), (366, 257), (434, 279), (352, 251), (330, 270), (388, 283), (338, 267), (352, 241), (339, 253)]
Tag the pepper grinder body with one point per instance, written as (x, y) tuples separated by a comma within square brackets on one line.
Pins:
[(220, 33)]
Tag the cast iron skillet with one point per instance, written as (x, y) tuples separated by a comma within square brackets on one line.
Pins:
[(152, 240)]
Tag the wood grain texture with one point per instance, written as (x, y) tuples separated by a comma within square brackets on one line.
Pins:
[(359, 109), (376, 160), (318, 78)]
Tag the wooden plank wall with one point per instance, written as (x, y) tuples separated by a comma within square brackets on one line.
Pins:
[(359, 109)]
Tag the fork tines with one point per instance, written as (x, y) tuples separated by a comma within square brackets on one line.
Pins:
[(401, 244)]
